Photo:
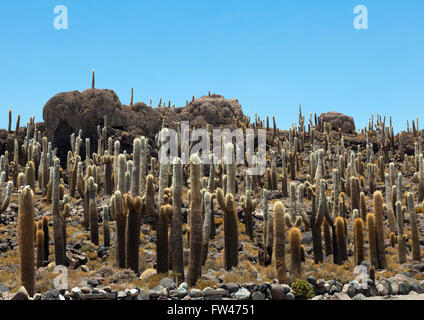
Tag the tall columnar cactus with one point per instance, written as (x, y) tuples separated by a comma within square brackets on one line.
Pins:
[(162, 239), (6, 200), (355, 193), (389, 204), (295, 239), (74, 177), (106, 227), (176, 224), (30, 175), (59, 246), (341, 238), (196, 222), (279, 241), (314, 222), (122, 163), (26, 238), (249, 206), (231, 168), (416, 251), (274, 175), (108, 170), (143, 164), (379, 229), (44, 166), (420, 178), (358, 230), (401, 238), (284, 190), (117, 211), (228, 206), (135, 183), (46, 250), (92, 210), (363, 206), (134, 207), (372, 169), (39, 242), (372, 239), (207, 200), (116, 152)]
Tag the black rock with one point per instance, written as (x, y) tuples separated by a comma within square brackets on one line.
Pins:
[(51, 294), (312, 280)]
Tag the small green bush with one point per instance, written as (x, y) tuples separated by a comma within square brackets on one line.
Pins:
[(302, 288)]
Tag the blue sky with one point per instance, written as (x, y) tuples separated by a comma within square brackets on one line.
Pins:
[(271, 55)]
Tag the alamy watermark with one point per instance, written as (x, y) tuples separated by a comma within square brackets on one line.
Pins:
[(176, 144), (361, 20), (60, 21)]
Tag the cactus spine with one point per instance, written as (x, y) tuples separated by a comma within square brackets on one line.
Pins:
[(206, 225), (59, 246), (162, 239)]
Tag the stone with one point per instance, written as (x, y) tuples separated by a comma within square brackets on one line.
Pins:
[(52, 294), (339, 120), (382, 290), (147, 274), (415, 286), (195, 293), (167, 283), (320, 297), (231, 287), (359, 296), (3, 288), (277, 292), (341, 296), (403, 288), (312, 280), (395, 287), (257, 295), (121, 295), (333, 290), (22, 294), (290, 296), (86, 290), (142, 295), (242, 294)]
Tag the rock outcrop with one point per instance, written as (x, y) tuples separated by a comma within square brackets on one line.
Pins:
[(68, 112), (339, 120)]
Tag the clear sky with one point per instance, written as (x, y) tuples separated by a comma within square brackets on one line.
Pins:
[(271, 54)]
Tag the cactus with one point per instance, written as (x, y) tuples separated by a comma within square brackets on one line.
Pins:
[(207, 200), (176, 224), (108, 170), (379, 229), (121, 171), (358, 229), (227, 205), (249, 206), (416, 252), (59, 247), (295, 239), (106, 228), (274, 175), (26, 238), (92, 210), (284, 190), (44, 166), (372, 239), (195, 263), (162, 239), (279, 241), (40, 247), (117, 212), (231, 169), (363, 206), (133, 208), (8, 193), (143, 164), (401, 235), (355, 194), (341, 238), (46, 250), (389, 204)]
